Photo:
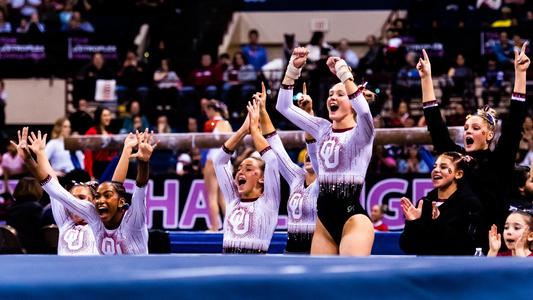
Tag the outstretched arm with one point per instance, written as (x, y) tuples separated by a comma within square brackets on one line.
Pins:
[(436, 125)]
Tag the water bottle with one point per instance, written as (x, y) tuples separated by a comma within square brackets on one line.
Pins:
[(479, 252)]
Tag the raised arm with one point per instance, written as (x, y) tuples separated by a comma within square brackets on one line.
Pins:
[(259, 140), (284, 104), (136, 217), (121, 171), (221, 162), (289, 170), (436, 125), (313, 154), (509, 141)]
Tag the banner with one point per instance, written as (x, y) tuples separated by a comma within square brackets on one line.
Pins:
[(181, 204), (83, 48), (16, 48)]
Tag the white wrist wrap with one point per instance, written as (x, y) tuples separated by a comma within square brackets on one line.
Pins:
[(292, 71), (344, 72)]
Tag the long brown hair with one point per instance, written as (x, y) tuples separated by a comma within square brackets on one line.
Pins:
[(58, 126)]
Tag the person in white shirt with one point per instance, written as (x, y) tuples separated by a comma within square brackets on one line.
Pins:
[(63, 161)]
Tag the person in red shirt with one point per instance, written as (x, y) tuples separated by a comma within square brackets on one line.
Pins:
[(376, 214), (205, 76), (97, 161)]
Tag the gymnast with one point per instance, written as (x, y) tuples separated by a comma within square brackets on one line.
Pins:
[(344, 150), (118, 226), (301, 206), (490, 180), (447, 220), (253, 194)]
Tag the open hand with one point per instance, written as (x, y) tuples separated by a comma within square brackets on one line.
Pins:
[(521, 61), (37, 142), (146, 146), (253, 114), (495, 239), (424, 65), (22, 145), (409, 210), (131, 141)]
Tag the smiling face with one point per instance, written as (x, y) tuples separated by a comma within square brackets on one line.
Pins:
[(444, 173), (106, 118), (339, 107), (249, 178), (477, 134), (516, 225), (109, 205), (65, 128)]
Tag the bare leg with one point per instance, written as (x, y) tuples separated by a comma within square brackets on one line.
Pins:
[(211, 186), (357, 236), (323, 243)]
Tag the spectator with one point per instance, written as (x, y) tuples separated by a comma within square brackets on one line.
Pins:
[(457, 117), (517, 235), (376, 215), (96, 162), (239, 83), (458, 81), (373, 58), (131, 77), (165, 78), (25, 7), (134, 111), (35, 25), (407, 81), (77, 24), (316, 46), (505, 20), (81, 120), (162, 125), (400, 116), (25, 212), (412, 163), (254, 53), (63, 161), (86, 79), (12, 164), (492, 83), (343, 51), (5, 26), (521, 194), (503, 49), (221, 66), (203, 78)]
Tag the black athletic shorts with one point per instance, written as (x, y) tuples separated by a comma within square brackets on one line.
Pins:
[(299, 242)]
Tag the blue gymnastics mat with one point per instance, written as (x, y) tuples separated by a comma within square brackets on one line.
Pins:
[(264, 277), (385, 243)]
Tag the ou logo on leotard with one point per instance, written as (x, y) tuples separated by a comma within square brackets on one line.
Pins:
[(110, 247), (295, 206), (74, 239), (239, 221), (330, 154)]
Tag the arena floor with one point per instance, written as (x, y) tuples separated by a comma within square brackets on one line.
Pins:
[(212, 276)]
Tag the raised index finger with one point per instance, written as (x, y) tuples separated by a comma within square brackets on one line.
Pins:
[(523, 49), (425, 54), (304, 89)]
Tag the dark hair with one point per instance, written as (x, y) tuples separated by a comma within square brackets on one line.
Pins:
[(28, 189), (98, 118), (224, 55), (460, 161), (528, 217), (253, 31), (520, 175), (316, 37), (219, 107), (234, 61), (121, 191)]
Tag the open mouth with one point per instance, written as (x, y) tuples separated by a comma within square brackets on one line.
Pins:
[(469, 140), (333, 107), (436, 177), (102, 210), (509, 241), (241, 181)]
